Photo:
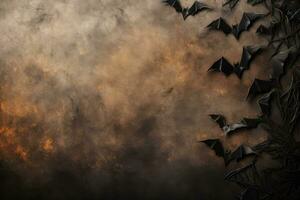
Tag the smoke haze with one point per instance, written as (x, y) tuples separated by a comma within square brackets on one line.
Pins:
[(106, 99)]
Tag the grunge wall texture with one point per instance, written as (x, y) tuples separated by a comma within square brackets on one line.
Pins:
[(106, 99)]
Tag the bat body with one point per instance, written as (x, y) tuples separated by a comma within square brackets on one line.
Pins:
[(249, 52), (196, 8), (260, 87), (248, 19), (223, 65), (245, 123)]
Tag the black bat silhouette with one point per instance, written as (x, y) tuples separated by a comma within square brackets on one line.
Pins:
[(217, 146), (263, 30), (231, 3), (245, 24), (245, 123), (265, 103), (241, 152), (222, 65), (259, 87), (196, 8)]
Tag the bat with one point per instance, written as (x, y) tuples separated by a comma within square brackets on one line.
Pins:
[(223, 65), (248, 19), (231, 3), (259, 87), (245, 24), (196, 8), (239, 154), (265, 103), (221, 25), (263, 30), (217, 146), (242, 152), (245, 123), (255, 2)]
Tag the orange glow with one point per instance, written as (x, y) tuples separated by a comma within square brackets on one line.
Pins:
[(48, 145), (21, 152)]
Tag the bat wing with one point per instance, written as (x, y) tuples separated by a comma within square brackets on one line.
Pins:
[(247, 176), (217, 147), (255, 2), (263, 30), (233, 127), (175, 4), (196, 8), (246, 22), (220, 25), (246, 123), (260, 87), (265, 103), (251, 122), (249, 52), (280, 65), (222, 65), (219, 119), (231, 3), (242, 152)]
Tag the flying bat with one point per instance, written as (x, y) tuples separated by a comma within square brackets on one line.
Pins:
[(196, 8), (245, 123), (217, 146), (241, 152), (265, 103), (231, 3), (245, 24), (259, 87), (255, 2), (223, 65), (263, 30)]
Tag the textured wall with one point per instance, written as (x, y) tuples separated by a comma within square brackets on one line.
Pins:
[(108, 98)]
